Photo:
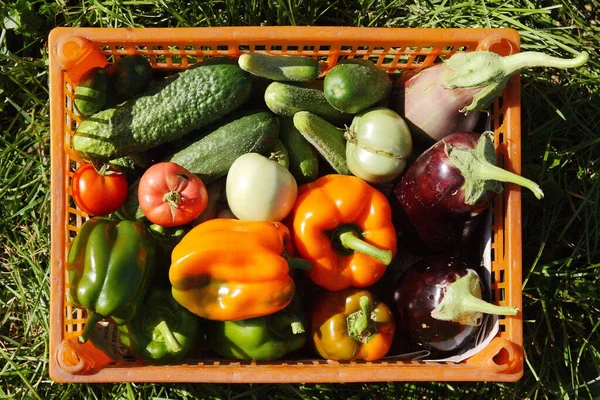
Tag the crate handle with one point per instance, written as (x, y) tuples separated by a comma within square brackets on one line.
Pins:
[(501, 356), (496, 44), (76, 55)]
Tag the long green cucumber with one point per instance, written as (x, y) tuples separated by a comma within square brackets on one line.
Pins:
[(325, 137), (197, 97), (286, 99), (280, 68), (303, 157), (211, 156)]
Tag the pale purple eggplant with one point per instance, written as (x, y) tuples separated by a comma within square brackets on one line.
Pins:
[(450, 96)]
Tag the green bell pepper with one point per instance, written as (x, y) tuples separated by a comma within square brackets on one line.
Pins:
[(109, 269), (263, 338), (163, 331)]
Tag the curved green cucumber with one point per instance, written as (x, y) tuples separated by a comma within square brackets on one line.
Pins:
[(303, 157), (280, 68), (197, 97), (325, 137), (211, 156), (286, 99)]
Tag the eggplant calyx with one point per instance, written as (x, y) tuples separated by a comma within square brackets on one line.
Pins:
[(478, 167), (462, 302), (490, 71)]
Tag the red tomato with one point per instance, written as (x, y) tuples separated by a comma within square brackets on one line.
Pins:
[(169, 195), (98, 192)]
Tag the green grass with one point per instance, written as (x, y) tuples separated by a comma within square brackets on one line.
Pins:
[(561, 139)]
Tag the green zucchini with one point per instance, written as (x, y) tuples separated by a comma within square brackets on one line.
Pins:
[(325, 137), (286, 99), (280, 68), (197, 97), (211, 156), (303, 157)]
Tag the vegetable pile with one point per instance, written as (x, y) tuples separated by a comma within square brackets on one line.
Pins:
[(251, 208)]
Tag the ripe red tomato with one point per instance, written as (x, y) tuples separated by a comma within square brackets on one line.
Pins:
[(169, 195), (98, 192)]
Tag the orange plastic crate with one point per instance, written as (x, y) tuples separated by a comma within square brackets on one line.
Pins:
[(393, 49)]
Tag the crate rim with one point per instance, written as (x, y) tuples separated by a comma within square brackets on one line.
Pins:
[(472, 370)]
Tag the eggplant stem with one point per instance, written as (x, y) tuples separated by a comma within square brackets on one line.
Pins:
[(491, 171), (475, 304), (350, 241), (530, 59), (170, 339)]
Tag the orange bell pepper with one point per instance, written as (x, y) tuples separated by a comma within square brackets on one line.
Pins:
[(352, 324), (342, 225), (226, 269)]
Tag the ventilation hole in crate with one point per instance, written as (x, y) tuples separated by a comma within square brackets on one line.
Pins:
[(346, 47), (502, 328), (493, 296), (500, 102), (374, 59), (427, 49), (419, 59), (325, 48), (388, 59), (493, 254), (308, 48), (411, 49), (403, 59), (493, 276), (106, 49), (500, 121), (192, 60), (502, 294), (157, 48), (176, 59), (502, 357), (362, 49), (276, 47), (342, 58), (222, 47), (160, 59), (260, 47), (292, 48)]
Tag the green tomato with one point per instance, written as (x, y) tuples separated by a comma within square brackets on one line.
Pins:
[(260, 189), (379, 144)]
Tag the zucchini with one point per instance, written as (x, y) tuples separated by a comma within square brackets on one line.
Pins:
[(280, 68), (303, 157), (286, 99), (197, 97), (325, 137), (211, 156)]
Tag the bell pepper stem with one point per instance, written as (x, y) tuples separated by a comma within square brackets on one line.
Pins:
[(93, 319), (350, 241), (359, 326), (170, 339), (281, 323)]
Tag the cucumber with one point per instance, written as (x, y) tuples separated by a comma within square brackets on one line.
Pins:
[(130, 76), (325, 137), (356, 84), (91, 95), (286, 99), (280, 68), (197, 97), (279, 152), (303, 157), (211, 156)]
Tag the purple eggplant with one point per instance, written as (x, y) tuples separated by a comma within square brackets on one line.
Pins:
[(448, 97), (441, 197), (440, 306)]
